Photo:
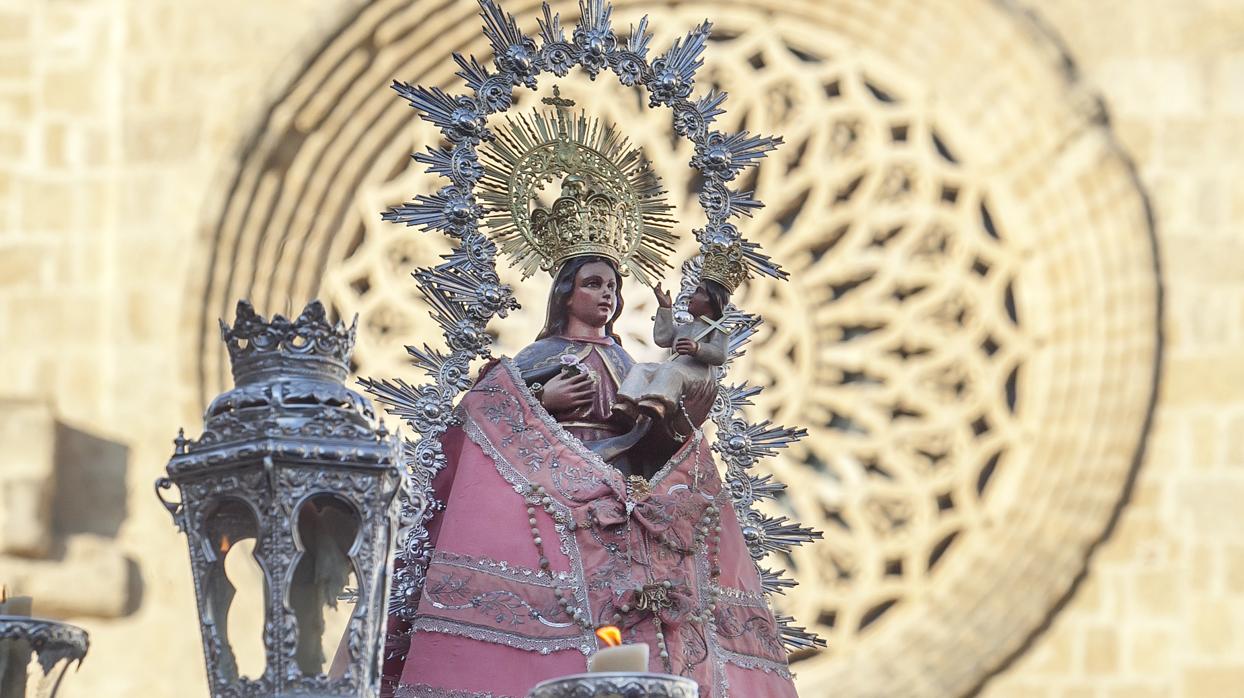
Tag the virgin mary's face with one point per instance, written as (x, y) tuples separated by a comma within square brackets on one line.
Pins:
[(595, 294)]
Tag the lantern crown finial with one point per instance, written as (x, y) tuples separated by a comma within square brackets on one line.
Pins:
[(308, 345)]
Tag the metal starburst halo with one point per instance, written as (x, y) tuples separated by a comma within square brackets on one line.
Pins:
[(595, 161), (465, 290)]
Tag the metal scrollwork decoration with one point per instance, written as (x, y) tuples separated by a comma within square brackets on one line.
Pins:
[(621, 684), (465, 292), (53, 646), (297, 461), (611, 183)]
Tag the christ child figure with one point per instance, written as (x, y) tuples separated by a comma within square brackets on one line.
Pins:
[(682, 385)]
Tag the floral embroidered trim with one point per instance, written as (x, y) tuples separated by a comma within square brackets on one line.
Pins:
[(607, 472), (569, 546), (718, 663), (500, 602), (748, 661), (479, 632), (497, 568), (742, 597), (684, 452)]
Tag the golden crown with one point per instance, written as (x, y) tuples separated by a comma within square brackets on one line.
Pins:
[(611, 202), (726, 265), (585, 220)]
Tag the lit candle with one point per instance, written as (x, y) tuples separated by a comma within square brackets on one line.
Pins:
[(617, 656)]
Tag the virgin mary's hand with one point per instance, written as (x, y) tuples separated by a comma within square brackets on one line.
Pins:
[(564, 393)]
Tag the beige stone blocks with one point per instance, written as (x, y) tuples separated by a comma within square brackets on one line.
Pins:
[(1150, 653), (1234, 566), (1212, 506), (1214, 681), (1101, 651), (14, 24), (89, 577), (27, 467), (60, 507), (1229, 83), (161, 139)]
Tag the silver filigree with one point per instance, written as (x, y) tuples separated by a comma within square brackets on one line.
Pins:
[(673, 74), (594, 36), (294, 459), (515, 54), (55, 646), (620, 684), (463, 291)]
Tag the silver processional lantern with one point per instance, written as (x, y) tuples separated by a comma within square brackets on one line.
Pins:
[(294, 460)]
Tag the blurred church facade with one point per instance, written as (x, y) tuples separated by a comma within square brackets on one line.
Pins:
[(1017, 247)]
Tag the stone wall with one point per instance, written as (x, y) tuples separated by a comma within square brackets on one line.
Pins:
[(118, 123), (121, 124), (1161, 612)]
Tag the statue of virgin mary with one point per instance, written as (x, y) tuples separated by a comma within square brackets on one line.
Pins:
[(558, 517)]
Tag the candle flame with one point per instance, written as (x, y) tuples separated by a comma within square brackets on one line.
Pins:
[(225, 543), (610, 635)]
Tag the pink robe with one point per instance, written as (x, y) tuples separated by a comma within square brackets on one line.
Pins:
[(491, 622)]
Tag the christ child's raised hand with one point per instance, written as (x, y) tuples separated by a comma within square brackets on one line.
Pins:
[(663, 297)]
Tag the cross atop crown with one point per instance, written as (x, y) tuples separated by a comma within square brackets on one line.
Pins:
[(557, 100)]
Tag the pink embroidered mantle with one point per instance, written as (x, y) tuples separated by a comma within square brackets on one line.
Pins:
[(493, 621)]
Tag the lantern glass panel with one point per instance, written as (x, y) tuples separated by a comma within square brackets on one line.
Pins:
[(328, 528), (246, 613), (230, 522), (337, 625)]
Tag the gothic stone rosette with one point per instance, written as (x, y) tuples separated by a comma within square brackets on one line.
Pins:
[(463, 306), (294, 459)]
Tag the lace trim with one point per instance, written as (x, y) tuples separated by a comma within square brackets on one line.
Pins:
[(683, 453), (559, 432), (479, 632), (747, 661), (607, 472), (499, 568), (506, 599), (741, 597), (569, 546), (421, 690)]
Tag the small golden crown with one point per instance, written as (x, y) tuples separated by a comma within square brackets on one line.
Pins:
[(726, 265), (611, 202)]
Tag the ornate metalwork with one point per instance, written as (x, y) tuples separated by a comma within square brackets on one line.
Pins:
[(611, 202), (725, 266), (618, 684), (54, 646), (292, 458), (719, 158), (913, 220)]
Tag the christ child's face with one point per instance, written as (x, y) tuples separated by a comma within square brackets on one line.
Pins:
[(700, 305), (595, 294)]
